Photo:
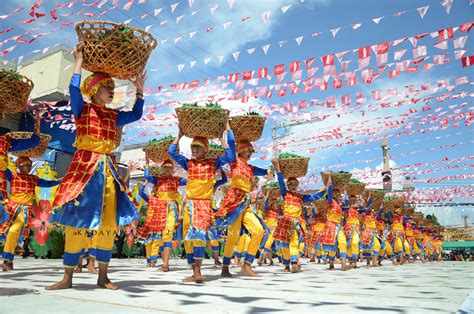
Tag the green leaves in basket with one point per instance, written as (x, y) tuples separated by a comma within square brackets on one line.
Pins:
[(253, 113), (153, 141), (288, 155), (388, 198), (215, 146), (193, 105), (354, 181), (213, 105), (272, 185), (10, 73), (280, 201), (342, 172)]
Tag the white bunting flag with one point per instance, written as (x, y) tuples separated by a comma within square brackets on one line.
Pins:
[(230, 3), (174, 6), (356, 26), (377, 20), (460, 42), (206, 61), (180, 67), (422, 11), (236, 55), (265, 16), (191, 35), (334, 31), (220, 58), (190, 2), (226, 25), (265, 48), (285, 8), (179, 18), (213, 9), (447, 4), (250, 50), (299, 40), (157, 11), (192, 63)]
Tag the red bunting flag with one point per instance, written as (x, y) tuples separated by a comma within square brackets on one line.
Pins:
[(294, 66), (247, 75), (262, 72), (234, 77), (444, 34), (309, 62), (279, 69), (467, 61), (382, 52), (364, 57)]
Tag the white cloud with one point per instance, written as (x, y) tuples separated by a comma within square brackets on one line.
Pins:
[(450, 216)]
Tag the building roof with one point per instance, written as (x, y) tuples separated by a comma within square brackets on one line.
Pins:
[(458, 244)]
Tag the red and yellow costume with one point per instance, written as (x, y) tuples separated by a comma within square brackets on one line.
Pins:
[(92, 196), (271, 221), (334, 237), (317, 231), (351, 230), (370, 236), (397, 234)]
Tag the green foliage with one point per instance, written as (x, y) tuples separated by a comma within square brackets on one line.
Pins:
[(56, 242), (191, 105), (213, 105), (388, 198), (354, 181), (10, 73), (253, 113), (165, 138), (280, 201), (288, 155), (272, 185), (214, 146), (433, 218)]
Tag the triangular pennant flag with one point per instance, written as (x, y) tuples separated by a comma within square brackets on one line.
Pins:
[(266, 15), (230, 3), (447, 4), (191, 35), (191, 2), (377, 20), (157, 11), (226, 25), (340, 55), (206, 61), (179, 18), (180, 67), (192, 63), (334, 31), (128, 5), (194, 13), (177, 39), (163, 22), (265, 48), (356, 26), (174, 6), (282, 43), (250, 50), (236, 55), (148, 28), (422, 11), (213, 9), (299, 40), (128, 21), (285, 8), (220, 58)]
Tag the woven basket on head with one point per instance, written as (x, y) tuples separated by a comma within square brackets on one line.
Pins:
[(388, 205), (119, 50), (200, 121), (408, 211), (273, 191), (215, 152), (155, 170), (294, 167), (248, 127), (340, 180), (34, 152), (418, 217), (118, 136), (321, 205), (355, 188), (398, 201), (14, 92), (377, 197), (158, 151)]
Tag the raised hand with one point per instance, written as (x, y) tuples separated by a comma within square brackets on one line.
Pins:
[(139, 82)]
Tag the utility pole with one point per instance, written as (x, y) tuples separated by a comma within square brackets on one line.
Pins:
[(465, 217), (386, 174), (287, 127)]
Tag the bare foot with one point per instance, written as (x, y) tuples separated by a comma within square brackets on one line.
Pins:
[(225, 272), (91, 269), (78, 270), (247, 269), (60, 285), (217, 262), (107, 284), (313, 259), (286, 269), (7, 266), (271, 263), (189, 279), (294, 268), (344, 268), (165, 268), (331, 266), (148, 265)]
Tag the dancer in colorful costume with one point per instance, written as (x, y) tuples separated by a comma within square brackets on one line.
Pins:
[(163, 204), (197, 211), (397, 235), (334, 237), (19, 206), (371, 239), (92, 196), (288, 230), (351, 229), (271, 213), (235, 210)]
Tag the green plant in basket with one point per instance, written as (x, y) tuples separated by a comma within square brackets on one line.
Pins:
[(165, 138), (214, 146), (272, 185), (354, 181), (288, 155), (252, 113), (213, 105)]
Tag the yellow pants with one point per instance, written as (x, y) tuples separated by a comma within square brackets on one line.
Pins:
[(14, 233), (291, 253), (253, 226), (103, 238), (214, 245), (416, 249), (407, 248), (388, 250), (341, 245), (398, 245), (242, 245), (195, 249), (152, 249), (377, 247), (353, 247), (167, 234)]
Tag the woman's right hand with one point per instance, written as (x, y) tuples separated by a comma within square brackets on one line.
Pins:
[(78, 51)]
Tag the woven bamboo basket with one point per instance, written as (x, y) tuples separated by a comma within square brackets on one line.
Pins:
[(34, 152), (418, 217), (408, 211), (273, 191), (294, 167), (118, 136), (388, 205), (355, 188), (14, 92), (215, 152), (155, 171), (119, 50), (247, 127), (320, 205), (340, 180), (158, 151), (377, 197), (201, 121), (399, 201)]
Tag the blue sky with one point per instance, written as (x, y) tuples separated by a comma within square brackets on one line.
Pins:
[(302, 18)]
